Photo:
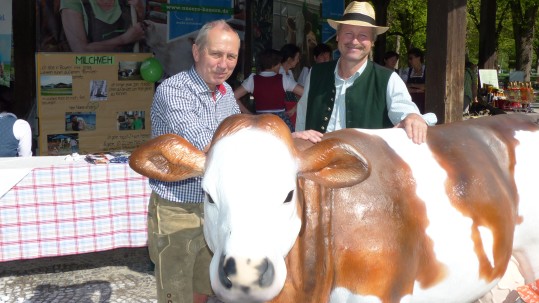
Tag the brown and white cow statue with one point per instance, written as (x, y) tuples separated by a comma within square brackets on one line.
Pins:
[(364, 215)]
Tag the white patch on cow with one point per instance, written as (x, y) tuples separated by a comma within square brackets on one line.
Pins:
[(249, 175), (448, 228), (487, 238), (343, 295), (526, 240)]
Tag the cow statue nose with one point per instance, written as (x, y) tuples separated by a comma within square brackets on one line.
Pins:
[(226, 271), (267, 272), (262, 274)]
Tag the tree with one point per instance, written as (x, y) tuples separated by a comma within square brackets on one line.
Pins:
[(408, 19), (380, 8), (524, 13), (491, 24), (536, 48)]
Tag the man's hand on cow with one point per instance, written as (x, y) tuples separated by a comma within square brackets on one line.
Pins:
[(310, 135), (415, 127)]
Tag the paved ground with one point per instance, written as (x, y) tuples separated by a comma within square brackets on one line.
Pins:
[(121, 275)]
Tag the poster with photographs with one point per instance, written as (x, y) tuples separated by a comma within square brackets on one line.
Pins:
[(90, 103)]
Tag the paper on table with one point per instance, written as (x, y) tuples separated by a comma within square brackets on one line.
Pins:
[(14, 169), (9, 177)]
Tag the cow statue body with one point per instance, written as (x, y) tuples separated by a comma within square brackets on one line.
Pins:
[(364, 215)]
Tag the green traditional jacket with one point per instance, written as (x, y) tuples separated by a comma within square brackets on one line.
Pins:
[(365, 100)]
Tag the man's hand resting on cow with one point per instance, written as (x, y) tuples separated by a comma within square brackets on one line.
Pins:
[(310, 135), (415, 127)]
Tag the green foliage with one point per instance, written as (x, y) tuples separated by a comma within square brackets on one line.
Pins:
[(408, 25), (408, 20)]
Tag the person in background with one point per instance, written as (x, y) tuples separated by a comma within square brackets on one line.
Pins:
[(414, 75), (269, 88), (353, 92), (391, 59), (321, 53), (289, 59), (102, 25), (470, 84), (15, 134)]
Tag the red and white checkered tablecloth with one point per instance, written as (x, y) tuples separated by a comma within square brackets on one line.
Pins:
[(73, 209)]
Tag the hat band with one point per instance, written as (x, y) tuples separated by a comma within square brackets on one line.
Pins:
[(358, 17)]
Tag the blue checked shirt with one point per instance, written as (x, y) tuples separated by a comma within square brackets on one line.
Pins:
[(184, 105)]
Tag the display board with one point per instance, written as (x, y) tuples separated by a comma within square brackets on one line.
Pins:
[(488, 76), (90, 103)]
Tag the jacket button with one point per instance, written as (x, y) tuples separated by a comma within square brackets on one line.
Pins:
[(323, 128), (331, 100), (325, 118), (329, 109)]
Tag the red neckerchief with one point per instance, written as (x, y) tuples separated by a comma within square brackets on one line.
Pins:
[(221, 88)]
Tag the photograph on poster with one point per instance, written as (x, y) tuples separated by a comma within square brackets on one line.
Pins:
[(5, 59), (56, 85), (128, 70), (80, 121), (62, 144), (98, 90), (132, 120)]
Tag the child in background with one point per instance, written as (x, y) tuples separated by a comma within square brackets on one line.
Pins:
[(269, 88)]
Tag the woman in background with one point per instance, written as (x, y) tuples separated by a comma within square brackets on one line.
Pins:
[(289, 59), (102, 25)]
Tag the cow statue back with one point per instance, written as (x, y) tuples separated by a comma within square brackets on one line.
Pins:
[(364, 215)]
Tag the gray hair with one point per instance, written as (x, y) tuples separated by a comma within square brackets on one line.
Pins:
[(202, 37)]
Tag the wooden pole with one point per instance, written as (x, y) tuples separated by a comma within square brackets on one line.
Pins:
[(446, 48)]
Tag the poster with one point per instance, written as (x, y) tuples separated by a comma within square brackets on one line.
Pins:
[(330, 10), (166, 28), (90, 103), (6, 34)]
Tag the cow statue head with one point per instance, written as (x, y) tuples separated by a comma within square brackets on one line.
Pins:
[(252, 209)]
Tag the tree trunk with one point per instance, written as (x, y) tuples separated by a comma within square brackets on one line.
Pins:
[(488, 38), (444, 87), (523, 28), (398, 48), (380, 9)]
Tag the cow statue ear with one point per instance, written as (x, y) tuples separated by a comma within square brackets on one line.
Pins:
[(334, 163), (168, 158)]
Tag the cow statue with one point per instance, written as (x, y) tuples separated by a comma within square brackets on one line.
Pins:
[(364, 215)]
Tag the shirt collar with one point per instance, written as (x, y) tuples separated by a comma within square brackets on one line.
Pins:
[(354, 76), (268, 73), (221, 88), (203, 86)]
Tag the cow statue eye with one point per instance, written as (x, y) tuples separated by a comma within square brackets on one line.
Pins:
[(210, 200), (289, 197)]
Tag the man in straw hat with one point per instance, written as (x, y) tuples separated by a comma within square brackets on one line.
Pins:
[(353, 92)]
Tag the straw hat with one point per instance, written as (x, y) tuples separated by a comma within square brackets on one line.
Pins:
[(361, 14)]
